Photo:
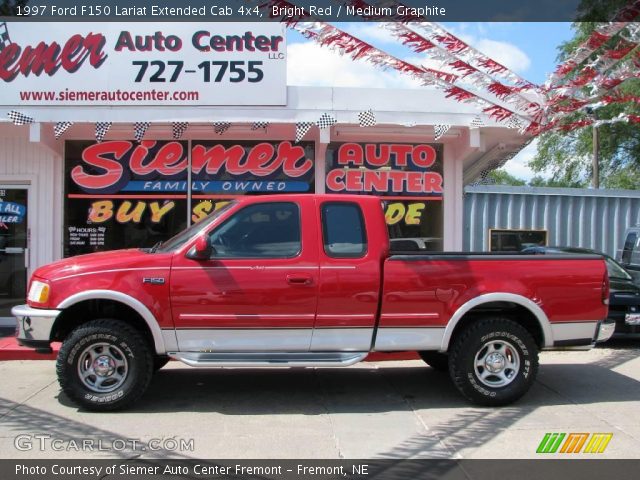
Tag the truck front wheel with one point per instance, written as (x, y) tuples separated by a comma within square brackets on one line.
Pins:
[(104, 365), (436, 360), (494, 361)]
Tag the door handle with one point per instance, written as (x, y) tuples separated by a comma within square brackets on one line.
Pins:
[(298, 279)]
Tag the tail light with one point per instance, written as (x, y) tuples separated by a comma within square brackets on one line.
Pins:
[(605, 288)]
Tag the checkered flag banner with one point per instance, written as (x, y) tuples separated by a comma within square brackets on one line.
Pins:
[(139, 129), (326, 121), (440, 130), (476, 122), (515, 124), (61, 127), (485, 179), (221, 127), (301, 130), (259, 125), (178, 129), (367, 118), (4, 36), (101, 130), (19, 118)]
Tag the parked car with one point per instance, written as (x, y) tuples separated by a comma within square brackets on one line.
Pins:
[(306, 280), (630, 255), (624, 297), (415, 244)]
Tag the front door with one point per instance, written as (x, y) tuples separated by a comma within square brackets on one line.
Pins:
[(14, 233), (258, 291)]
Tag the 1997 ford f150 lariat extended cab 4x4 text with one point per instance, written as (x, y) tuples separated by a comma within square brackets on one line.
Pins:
[(306, 280)]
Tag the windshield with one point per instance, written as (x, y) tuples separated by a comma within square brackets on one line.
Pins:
[(615, 270), (181, 238)]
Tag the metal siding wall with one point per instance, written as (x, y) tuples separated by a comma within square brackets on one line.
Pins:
[(584, 219), (22, 160)]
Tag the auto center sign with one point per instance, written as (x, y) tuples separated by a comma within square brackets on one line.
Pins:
[(143, 64), (394, 169)]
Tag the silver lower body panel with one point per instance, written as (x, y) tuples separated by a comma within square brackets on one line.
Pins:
[(269, 359)]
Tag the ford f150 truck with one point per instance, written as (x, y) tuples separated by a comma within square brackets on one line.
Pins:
[(306, 280)]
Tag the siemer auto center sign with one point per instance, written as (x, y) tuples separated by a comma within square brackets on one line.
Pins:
[(143, 64)]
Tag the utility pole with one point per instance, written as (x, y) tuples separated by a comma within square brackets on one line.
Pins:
[(595, 161), (595, 181)]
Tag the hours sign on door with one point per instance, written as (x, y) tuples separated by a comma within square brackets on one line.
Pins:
[(143, 64)]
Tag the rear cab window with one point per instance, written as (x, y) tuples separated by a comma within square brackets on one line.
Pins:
[(343, 230)]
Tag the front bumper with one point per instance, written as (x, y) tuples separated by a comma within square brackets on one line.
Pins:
[(34, 326)]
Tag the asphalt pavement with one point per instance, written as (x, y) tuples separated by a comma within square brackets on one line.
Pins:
[(397, 409)]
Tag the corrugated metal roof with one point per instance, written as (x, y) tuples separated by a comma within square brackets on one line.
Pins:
[(586, 218)]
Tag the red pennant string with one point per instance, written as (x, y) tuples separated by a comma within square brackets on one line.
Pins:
[(499, 90), (463, 67), (451, 43), (498, 113), (416, 42)]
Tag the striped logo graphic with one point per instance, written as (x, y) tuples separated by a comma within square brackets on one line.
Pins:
[(574, 442)]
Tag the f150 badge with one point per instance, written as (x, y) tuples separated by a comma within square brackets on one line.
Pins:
[(153, 280)]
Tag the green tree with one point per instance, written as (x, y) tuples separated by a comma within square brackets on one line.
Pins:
[(567, 156), (502, 177)]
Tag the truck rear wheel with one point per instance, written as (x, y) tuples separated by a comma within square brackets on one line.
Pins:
[(104, 365), (494, 361)]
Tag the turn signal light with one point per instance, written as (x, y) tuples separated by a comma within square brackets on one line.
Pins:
[(39, 292)]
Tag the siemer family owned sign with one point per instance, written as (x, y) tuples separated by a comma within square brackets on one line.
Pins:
[(143, 64)]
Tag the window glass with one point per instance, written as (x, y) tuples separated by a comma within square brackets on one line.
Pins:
[(266, 230), (343, 230), (516, 240), (181, 238), (615, 270), (414, 225), (123, 194), (628, 248)]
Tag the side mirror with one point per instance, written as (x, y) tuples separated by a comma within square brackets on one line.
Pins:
[(202, 250)]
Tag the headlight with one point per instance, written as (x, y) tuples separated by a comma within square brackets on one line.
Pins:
[(39, 292)]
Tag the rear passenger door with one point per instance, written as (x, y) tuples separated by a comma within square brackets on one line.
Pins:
[(349, 280)]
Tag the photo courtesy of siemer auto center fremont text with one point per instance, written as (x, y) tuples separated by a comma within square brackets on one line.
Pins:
[(319, 239)]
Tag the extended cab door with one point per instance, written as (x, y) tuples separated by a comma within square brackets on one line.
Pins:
[(352, 243), (258, 291)]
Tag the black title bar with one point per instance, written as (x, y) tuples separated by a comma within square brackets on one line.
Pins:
[(191, 469), (323, 10)]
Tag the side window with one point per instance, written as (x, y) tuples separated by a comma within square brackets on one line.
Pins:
[(343, 230), (629, 244), (265, 230)]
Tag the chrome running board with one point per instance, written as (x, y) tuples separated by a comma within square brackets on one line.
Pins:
[(271, 359)]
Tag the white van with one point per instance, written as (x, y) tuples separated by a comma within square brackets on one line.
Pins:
[(630, 255)]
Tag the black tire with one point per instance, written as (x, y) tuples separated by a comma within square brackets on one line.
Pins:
[(437, 360), (127, 355), (159, 361), (477, 341)]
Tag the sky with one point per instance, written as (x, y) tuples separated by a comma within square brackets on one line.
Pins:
[(529, 49)]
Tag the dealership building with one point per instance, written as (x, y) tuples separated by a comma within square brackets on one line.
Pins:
[(79, 176)]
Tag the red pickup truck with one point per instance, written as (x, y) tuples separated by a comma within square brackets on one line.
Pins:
[(306, 280)]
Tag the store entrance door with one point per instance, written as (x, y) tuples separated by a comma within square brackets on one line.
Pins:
[(14, 233)]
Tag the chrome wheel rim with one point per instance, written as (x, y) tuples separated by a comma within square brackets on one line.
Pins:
[(102, 367), (497, 363)]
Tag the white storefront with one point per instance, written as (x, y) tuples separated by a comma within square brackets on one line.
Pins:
[(73, 194)]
